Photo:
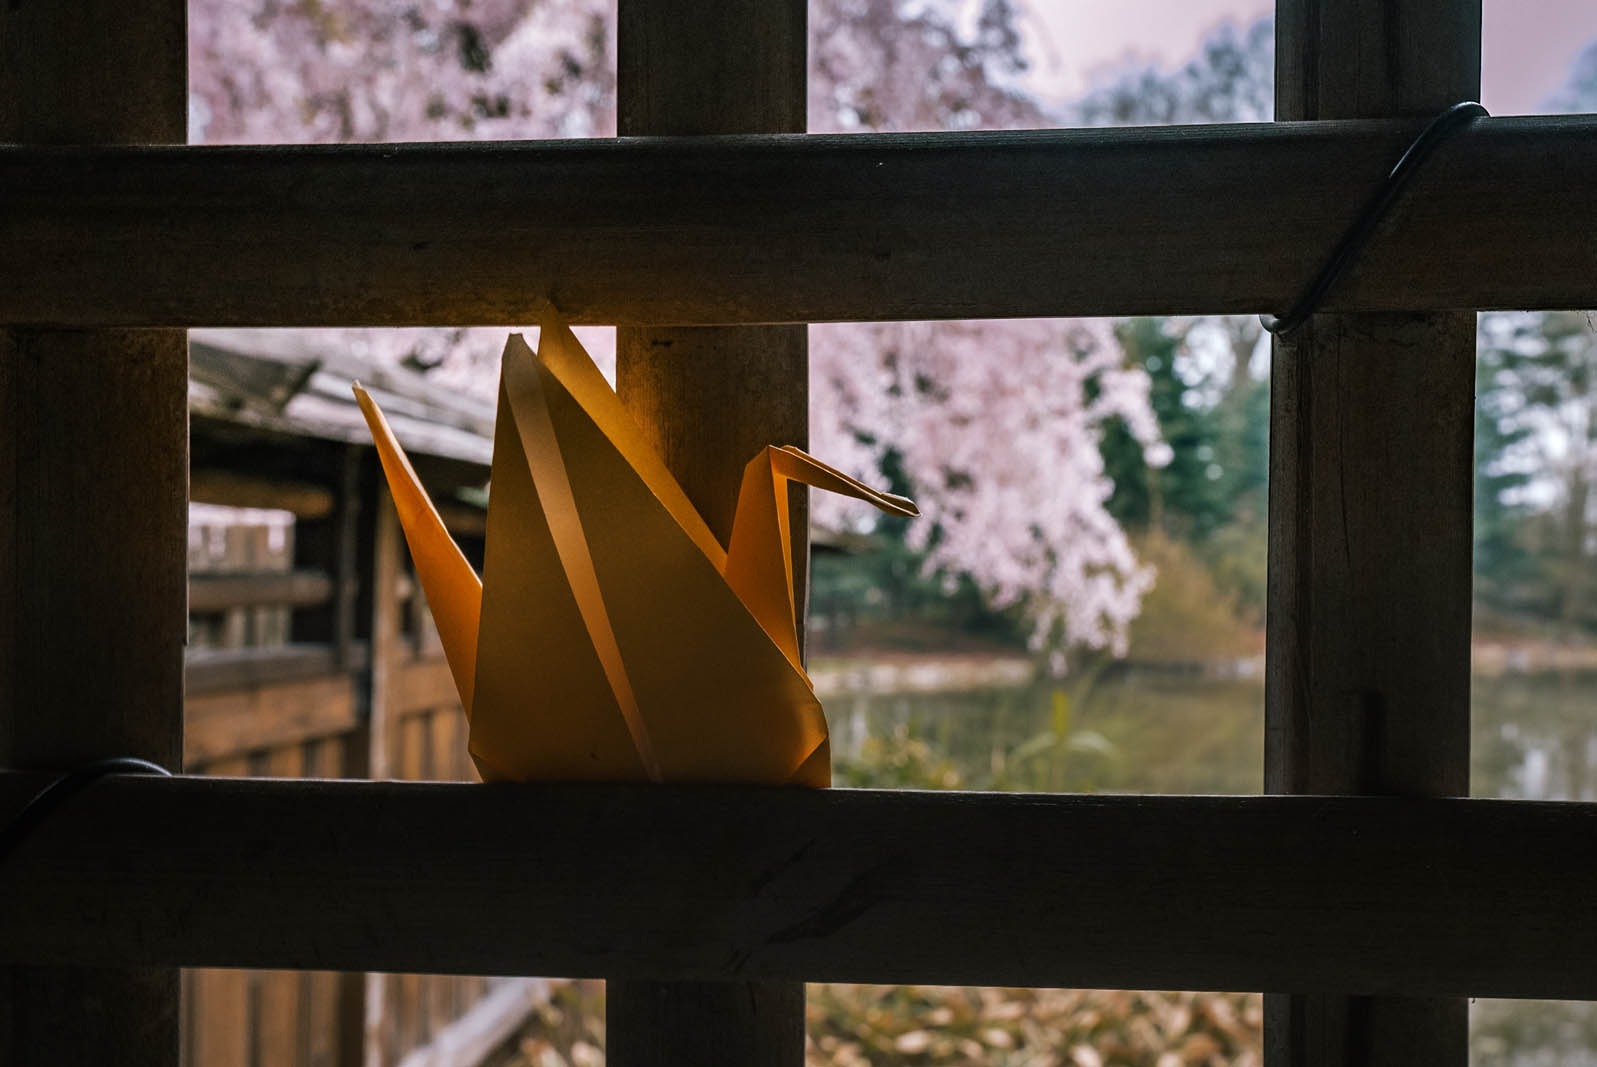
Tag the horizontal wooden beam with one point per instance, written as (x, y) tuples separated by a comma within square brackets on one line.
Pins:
[(213, 670), (221, 725), (1273, 893), (422, 685), (229, 488), (1214, 219), (218, 591)]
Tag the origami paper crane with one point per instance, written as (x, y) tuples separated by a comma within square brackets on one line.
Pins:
[(611, 637)]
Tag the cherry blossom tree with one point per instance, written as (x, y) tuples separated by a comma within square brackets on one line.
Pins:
[(995, 424), (300, 71)]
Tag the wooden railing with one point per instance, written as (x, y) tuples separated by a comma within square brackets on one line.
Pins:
[(305, 711), (284, 720), (792, 228), (1355, 894), (1318, 897)]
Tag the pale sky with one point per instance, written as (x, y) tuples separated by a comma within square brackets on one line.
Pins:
[(1527, 45)]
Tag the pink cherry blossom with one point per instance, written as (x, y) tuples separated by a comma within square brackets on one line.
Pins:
[(996, 423)]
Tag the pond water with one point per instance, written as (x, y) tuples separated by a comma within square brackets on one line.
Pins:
[(1533, 736)]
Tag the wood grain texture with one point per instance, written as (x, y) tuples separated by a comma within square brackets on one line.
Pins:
[(687, 68), (208, 672), (482, 1026), (328, 1039), (232, 489), (1371, 484), (216, 1003), (381, 757), (218, 591), (1275, 893), (275, 1037), (94, 524), (674, 1024), (1371, 478), (791, 228), (235, 723), (61, 59), (710, 399), (93, 496), (423, 684)]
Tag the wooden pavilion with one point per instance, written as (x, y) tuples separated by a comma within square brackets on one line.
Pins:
[(1367, 911), (313, 658)]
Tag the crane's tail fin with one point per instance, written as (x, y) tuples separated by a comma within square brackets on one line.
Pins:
[(454, 592)]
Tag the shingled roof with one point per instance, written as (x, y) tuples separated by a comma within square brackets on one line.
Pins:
[(283, 382)]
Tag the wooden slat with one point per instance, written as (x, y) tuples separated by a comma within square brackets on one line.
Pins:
[(93, 480), (382, 734), (1371, 489), (220, 1026), (276, 1035), (208, 671), (387, 647), (421, 685), (229, 488), (217, 1029), (219, 591), (409, 1002), (1218, 219), (1365, 895), (438, 993), (481, 1028), (447, 729), (93, 519), (268, 716), (322, 1040), (320, 1026)]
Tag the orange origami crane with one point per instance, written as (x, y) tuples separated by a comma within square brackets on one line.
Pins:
[(611, 637)]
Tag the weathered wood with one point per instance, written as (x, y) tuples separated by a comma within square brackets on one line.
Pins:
[(93, 520), (446, 743), (468, 1039), (710, 399), (387, 645), (1370, 511), (221, 725), (673, 1024), (275, 1033), (1370, 895), (422, 685), (212, 671), (1370, 495), (380, 740), (218, 591), (793, 229), (229, 488), (408, 1022), (216, 1008), (93, 497), (327, 1040)]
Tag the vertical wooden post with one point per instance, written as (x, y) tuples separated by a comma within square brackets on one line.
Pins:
[(331, 543), (1371, 418), (364, 1021), (93, 510), (377, 1022), (711, 397)]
